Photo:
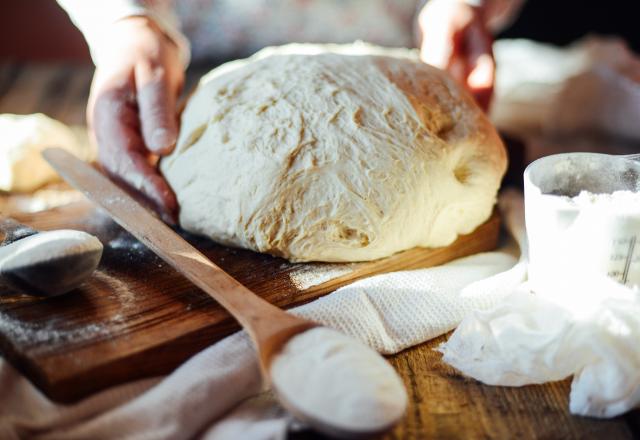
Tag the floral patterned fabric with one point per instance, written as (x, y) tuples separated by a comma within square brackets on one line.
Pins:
[(225, 29), (231, 28)]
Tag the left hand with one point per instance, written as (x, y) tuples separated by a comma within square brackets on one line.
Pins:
[(455, 37), (132, 108)]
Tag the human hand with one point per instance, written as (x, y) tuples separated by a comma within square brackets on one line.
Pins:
[(132, 108), (454, 36)]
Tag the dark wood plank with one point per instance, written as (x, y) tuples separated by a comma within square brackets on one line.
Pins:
[(24, 94), (64, 96), (633, 420), (137, 317), (9, 73)]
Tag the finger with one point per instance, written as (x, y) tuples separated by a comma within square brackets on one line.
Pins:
[(157, 94), (437, 22), (122, 151), (136, 172), (480, 75), (481, 79), (457, 61)]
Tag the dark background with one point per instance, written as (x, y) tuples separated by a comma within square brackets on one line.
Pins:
[(563, 21), (40, 30)]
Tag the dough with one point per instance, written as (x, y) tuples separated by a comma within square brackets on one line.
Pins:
[(333, 153), (23, 139)]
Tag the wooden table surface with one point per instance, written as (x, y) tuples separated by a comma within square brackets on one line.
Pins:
[(443, 404)]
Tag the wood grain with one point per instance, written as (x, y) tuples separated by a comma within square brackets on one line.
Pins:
[(138, 317), (445, 404)]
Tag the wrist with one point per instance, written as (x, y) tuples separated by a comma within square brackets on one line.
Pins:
[(135, 36), (142, 31)]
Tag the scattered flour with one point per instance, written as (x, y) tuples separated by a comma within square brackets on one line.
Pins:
[(46, 334), (305, 276), (120, 292), (335, 380), (129, 244)]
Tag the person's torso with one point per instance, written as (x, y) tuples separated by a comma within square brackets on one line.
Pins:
[(225, 29)]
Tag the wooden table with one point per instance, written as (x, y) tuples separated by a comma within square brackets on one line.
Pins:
[(443, 404)]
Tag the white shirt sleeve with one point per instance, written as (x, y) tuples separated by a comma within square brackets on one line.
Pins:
[(94, 17)]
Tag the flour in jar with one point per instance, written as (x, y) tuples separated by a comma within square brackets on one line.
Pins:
[(628, 201), (597, 233)]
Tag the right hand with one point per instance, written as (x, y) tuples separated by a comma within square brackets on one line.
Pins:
[(132, 108), (455, 37)]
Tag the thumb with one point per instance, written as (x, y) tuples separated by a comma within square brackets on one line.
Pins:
[(157, 106), (481, 79), (480, 76)]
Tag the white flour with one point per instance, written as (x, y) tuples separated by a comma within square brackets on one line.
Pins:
[(618, 200), (41, 337), (305, 276), (337, 380)]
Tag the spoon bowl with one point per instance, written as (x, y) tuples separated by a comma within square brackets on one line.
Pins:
[(49, 263), (337, 385)]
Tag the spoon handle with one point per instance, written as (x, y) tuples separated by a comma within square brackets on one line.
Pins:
[(267, 325), (11, 230)]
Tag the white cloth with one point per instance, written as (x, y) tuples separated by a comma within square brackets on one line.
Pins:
[(586, 327), (200, 399)]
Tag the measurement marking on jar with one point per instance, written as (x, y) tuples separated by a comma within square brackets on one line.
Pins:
[(627, 263)]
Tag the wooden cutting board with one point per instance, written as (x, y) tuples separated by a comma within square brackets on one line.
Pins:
[(137, 317)]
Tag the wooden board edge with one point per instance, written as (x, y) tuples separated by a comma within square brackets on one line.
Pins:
[(150, 362), (465, 245)]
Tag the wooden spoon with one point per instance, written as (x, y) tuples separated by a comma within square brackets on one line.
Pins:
[(269, 327), (46, 263)]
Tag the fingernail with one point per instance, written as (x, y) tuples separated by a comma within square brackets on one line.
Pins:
[(162, 139), (482, 74)]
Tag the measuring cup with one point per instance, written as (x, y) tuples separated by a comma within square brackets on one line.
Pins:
[(575, 237)]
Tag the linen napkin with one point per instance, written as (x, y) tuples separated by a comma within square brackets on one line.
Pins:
[(587, 327), (218, 393)]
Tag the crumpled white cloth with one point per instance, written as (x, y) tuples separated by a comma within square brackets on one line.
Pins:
[(592, 84), (218, 393), (587, 327)]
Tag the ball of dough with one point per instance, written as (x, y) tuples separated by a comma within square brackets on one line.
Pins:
[(22, 168), (333, 153)]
